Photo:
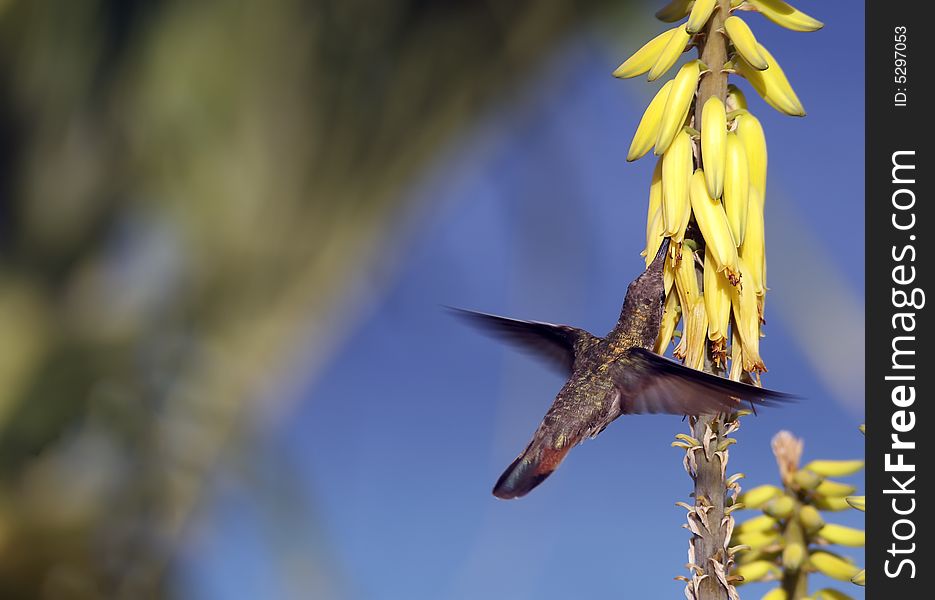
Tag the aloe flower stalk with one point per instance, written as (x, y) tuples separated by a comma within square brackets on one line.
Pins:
[(708, 195)]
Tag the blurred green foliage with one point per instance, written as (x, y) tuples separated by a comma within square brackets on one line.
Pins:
[(187, 190)]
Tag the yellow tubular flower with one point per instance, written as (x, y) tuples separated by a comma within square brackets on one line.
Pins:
[(831, 503), (699, 15), (655, 224), (756, 539), (750, 132), (807, 480), (810, 519), (677, 104), (686, 285), (745, 42), (717, 300), (843, 536), (771, 84), (758, 570), (776, 594), (747, 318), (682, 226), (792, 556), (753, 249), (670, 53), (833, 566), (858, 502), (834, 489), (736, 355), (759, 523), (736, 100), (674, 11), (835, 468), (736, 187), (780, 508), (712, 220), (670, 318), (685, 281), (714, 144), (760, 495), (676, 172), (655, 233), (644, 58), (648, 129), (696, 324), (785, 15)]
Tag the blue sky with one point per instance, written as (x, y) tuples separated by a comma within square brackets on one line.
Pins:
[(533, 212)]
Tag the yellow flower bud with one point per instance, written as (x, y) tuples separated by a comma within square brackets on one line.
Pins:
[(717, 299), (676, 173), (780, 508), (643, 59), (760, 495), (759, 523), (810, 519), (835, 468), (831, 503), (858, 502), (750, 132), (792, 556), (758, 571), (712, 220), (670, 317), (776, 594), (747, 318), (842, 536), (714, 145), (753, 249), (807, 480), (736, 100), (833, 566), (736, 187), (756, 539), (837, 489)]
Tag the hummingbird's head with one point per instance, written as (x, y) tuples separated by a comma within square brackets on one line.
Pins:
[(646, 293)]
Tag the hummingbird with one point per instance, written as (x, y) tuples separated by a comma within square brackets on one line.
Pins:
[(618, 374)]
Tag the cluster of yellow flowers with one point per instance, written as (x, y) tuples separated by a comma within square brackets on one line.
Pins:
[(710, 176), (791, 538)]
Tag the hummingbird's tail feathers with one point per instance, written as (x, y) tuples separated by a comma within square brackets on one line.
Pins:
[(530, 469), (649, 383)]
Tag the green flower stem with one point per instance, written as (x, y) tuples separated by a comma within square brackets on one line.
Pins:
[(795, 582)]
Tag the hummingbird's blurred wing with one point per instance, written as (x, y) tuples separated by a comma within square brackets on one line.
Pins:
[(649, 383), (556, 344)]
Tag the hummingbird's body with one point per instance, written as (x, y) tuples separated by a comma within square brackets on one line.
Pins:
[(610, 376)]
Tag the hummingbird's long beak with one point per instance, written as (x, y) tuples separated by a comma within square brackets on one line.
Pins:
[(660, 259)]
